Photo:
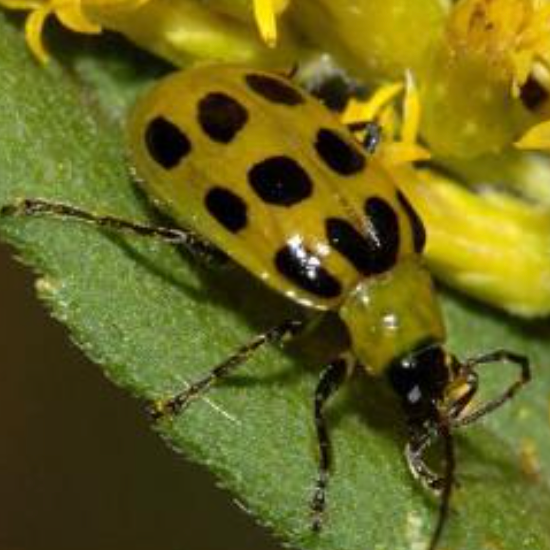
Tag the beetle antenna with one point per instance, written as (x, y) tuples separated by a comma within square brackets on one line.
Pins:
[(448, 483)]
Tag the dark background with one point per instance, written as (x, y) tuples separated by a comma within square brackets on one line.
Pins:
[(79, 467)]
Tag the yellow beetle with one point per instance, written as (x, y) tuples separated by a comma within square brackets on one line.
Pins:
[(251, 166)]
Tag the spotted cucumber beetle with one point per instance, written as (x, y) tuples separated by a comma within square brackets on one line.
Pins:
[(253, 168)]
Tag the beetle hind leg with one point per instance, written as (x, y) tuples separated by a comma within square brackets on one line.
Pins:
[(331, 379), (187, 238)]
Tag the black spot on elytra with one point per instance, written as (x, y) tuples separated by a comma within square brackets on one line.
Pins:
[(360, 250), (274, 89), (166, 143), (417, 226), (338, 153), (227, 207), (305, 270), (280, 180), (382, 234), (221, 117)]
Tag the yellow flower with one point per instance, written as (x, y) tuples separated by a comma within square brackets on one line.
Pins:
[(512, 35), (471, 61), (513, 38), (463, 249), (90, 16), (400, 139), (69, 13)]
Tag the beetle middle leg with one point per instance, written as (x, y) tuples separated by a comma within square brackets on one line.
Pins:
[(331, 379), (179, 402)]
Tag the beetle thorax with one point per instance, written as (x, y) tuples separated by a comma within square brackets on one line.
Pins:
[(390, 315)]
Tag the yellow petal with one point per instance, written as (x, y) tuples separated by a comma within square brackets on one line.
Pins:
[(34, 25), (411, 111), (388, 120), (537, 137), (402, 152), (72, 17), (361, 111), (264, 13)]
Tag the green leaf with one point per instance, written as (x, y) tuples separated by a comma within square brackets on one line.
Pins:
[(153, 319)]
